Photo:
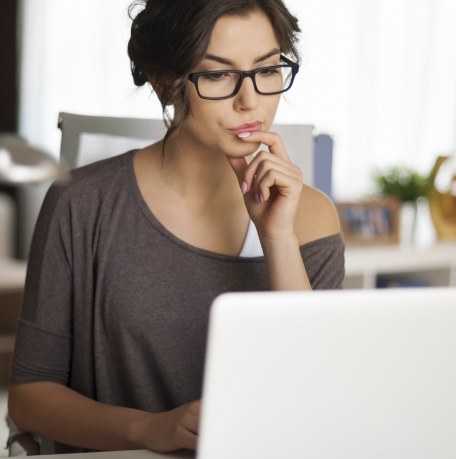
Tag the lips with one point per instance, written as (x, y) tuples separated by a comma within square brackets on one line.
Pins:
[(247, 127)]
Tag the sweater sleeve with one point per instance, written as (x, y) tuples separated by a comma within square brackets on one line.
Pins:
[(325, 262), (43, 342)]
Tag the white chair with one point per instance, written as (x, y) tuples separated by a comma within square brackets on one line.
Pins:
[(88, 138)]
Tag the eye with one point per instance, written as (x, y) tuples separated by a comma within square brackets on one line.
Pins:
[(215, 76), (269, 71)]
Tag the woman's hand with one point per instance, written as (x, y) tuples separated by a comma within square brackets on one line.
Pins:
[(40, 407), (271, 184), (173, 430)]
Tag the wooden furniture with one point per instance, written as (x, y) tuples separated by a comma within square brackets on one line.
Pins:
[(12, 278)]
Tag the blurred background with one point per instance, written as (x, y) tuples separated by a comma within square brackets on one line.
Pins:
[(379, 76)]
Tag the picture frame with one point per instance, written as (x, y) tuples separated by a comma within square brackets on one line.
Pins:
[(370, 222)]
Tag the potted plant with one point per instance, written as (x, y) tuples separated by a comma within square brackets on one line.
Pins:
[(408, 187), (405, 184)]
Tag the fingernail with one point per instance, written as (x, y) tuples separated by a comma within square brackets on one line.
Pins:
[(244, 134), (257, 198), (244, 187), (261, 198)]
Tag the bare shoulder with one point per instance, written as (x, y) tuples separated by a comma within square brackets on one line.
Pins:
[(317, 216)]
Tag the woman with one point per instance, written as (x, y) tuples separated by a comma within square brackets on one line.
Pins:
[(127, 258)]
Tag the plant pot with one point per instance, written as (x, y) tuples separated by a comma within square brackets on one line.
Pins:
[(407, 223)]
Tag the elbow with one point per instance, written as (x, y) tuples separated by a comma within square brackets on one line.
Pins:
[(17, 405), (13, 404)]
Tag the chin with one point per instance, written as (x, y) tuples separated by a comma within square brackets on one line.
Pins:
[(253, 149), (246, 149)]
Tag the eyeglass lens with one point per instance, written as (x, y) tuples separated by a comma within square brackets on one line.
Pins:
[(222, 84)]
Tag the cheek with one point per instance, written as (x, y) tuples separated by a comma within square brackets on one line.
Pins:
[(203, 111), (205, 122), (272, 107)]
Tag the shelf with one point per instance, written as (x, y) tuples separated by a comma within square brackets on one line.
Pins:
[(434, 265)]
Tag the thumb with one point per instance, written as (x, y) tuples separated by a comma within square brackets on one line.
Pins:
[(239, 166)]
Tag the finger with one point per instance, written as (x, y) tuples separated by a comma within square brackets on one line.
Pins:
[(239, 166), (284, 183), (192, 422), (196, 407), (187, 439), (253, 168), (192, 418), (271, 139), (265, 161)]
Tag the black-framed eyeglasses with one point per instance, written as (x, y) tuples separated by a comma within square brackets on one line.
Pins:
[(223, 84)]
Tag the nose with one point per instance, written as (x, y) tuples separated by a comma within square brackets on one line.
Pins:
[(247, 97)]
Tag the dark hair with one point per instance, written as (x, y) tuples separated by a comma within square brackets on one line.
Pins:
[(170, 37)]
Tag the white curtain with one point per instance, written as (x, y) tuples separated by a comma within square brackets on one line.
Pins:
[(378, 75)]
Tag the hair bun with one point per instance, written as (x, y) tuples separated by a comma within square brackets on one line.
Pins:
[(136, 43), (138, 76)]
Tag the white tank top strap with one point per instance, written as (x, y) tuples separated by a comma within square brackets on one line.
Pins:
[(252, 246)]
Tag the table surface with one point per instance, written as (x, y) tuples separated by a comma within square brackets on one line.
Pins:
[(137, 454)]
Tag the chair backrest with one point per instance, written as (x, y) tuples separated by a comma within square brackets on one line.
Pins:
[(88, 138)]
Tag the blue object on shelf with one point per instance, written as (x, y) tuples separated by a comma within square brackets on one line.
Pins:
[(323, 163)]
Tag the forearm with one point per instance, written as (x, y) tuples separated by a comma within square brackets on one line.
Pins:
[(286, 270), (61, 414)]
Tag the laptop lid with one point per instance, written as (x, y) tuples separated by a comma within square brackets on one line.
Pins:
[(331, 374)]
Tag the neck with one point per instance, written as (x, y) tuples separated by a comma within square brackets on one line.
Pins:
[(195, 172), (194, 193)]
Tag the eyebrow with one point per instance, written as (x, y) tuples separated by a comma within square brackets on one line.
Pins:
[(223, 60)]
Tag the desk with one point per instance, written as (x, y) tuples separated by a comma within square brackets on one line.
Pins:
[(138, 454)]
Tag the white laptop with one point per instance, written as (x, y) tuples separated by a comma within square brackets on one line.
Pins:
[(355, 374)]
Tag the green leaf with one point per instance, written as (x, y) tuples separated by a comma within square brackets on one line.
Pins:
[(401, 182)]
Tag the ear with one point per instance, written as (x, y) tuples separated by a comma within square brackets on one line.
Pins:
[(157, 88)]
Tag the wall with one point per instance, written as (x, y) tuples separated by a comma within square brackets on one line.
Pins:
[(9, 110), (8, 60)]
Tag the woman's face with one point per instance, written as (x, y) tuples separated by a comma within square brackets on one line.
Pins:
[(237, 43)]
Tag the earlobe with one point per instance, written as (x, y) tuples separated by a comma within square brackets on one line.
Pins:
[(156, 88)]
